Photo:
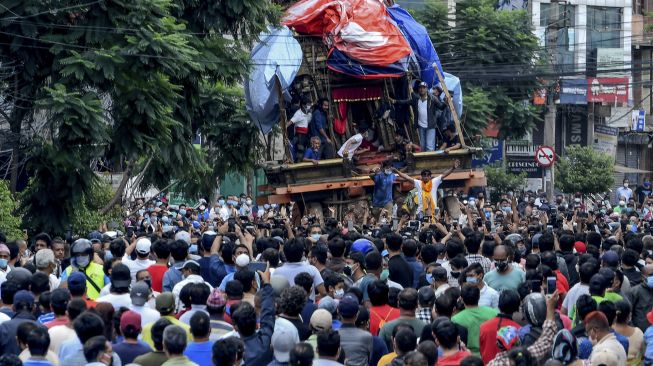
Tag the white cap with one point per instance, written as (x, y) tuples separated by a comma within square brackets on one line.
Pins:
[(242, 260), (284, 338), (183, 235), (143, 245)]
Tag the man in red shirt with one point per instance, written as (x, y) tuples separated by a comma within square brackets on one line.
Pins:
[(380, 312), (508, 304), (59, 300), (158, 269), (447, 336)]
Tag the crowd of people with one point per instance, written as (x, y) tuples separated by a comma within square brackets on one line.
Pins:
[(518, 281)]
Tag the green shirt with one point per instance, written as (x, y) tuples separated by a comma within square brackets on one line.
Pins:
[(472, 319), (386, 330), (179, 361)]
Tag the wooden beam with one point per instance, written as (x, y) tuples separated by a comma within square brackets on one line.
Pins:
[(283, 120), (456, 119)]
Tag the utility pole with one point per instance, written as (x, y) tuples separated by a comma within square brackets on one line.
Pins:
[(553, 27)]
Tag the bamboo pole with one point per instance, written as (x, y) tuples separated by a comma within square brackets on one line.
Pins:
[(456, 120), (283, 121)]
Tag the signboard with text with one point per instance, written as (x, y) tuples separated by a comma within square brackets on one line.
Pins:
[(573, 91), (638, 121), (574, 118), (492, 151), (607, 90), (606, 139), (524, 164), (610, 61)]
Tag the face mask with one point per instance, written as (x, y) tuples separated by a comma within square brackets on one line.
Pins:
[(506, 209), (141, 212), (316, 237), (82, 262), (351, 269), (249, 202), (649, 281), (340, 293), (193, 248), (429, 278), (107, 255), (182, 212), (388, 171), (221, 202), (455, 274), (472, 280), (502, 266), (626, 185), (149, 283), (3, 263)]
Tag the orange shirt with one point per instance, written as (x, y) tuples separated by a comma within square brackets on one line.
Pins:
[(379, 315)]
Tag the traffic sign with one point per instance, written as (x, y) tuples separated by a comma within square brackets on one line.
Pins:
[(545, 156)]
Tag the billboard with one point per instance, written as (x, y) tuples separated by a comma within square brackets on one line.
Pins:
[(524, 164), (492, 151), (574, 120), (573, 91), (607, 90), (605, 139)]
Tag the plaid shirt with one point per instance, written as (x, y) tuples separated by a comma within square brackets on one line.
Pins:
[(539, 350), (424, 314), (477, 258)]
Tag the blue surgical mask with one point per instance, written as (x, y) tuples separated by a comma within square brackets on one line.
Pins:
[(649, 281), (506, 209), (221, 202), (429, 278), (472, 280), (193, 248), (316, 237), (3, 263), (182, 212), (107, 255), (141, 212)]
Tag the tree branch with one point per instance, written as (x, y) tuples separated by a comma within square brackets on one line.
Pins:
[(126, 175)]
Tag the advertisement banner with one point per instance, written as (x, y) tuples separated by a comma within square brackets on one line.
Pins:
[(605, 139), (607, 90), (492, 151), (574, 118), (638, 121), (573, 91), (608, 60), (524, 164)]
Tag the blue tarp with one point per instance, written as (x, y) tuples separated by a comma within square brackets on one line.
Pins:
[(340, 62), (418, 38), (456, 91), (278, 54)]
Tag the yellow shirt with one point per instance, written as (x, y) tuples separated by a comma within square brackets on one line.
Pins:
[(385, 360), (146, 335)]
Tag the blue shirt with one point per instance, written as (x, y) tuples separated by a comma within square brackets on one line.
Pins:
[(417, 270), (31, 362), (382, 189), (312, 154), (48, 317), (172, 277), (200, 353), (318, 122)]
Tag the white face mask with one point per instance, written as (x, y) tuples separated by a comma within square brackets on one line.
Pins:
[(340, 293), (626, 185)]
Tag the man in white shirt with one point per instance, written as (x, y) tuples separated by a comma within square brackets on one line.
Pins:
[(439, 281), (140, 294), (603, 339), (427, 189), (300, 120), (45, 262), (142, 246), (624, 192), (191, 272)]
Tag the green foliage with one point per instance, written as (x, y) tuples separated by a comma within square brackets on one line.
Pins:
[(500, 181), (126, 81), (584, 170), (494, 53), (10, 223)]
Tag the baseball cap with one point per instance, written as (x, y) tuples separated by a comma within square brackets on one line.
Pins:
[(24, 296), (217, 299), (165, 303), (60, 297), (143, 245), (95, 237), (321, 320), (183, 235), (611, 258), (130, 318), (348, 307), (121, 276), (362, 245), (192, 265), (284, 339), (76, 281), (44, 258), (580, 247), (140, 293)]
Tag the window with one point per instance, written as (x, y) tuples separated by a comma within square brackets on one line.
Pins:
[(604, 27), (566, 15)]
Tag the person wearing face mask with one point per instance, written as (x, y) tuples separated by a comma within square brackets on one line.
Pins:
[(644, 191), (384, 180), (140, 295), (641, 298), (143, 247), (624, 192), (82, 252), (4, 262), (334, 285), (505, 275), (300, 120), (439, 281), (474, 274), (603, 339)]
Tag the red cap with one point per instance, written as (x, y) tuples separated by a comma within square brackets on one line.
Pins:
[(130, 318), (580, 247)]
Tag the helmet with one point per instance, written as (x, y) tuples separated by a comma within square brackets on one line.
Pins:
[(514, 238), (534, 309), (507, 338), (81, 246)]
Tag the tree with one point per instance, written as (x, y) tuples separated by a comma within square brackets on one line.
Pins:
[(495, 54), (584, 170), (10, 223), (500, 181), (129, 82)]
